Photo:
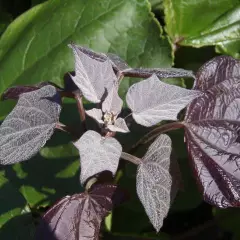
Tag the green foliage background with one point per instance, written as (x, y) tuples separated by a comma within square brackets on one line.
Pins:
[(156, 33)]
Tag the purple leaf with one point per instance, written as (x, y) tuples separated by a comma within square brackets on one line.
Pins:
[(79, 216), (155, 185), (212, 125), (117, 63), (112, 103), (119, 126), (217, 70), (152, 101), (30, 124), (92, 77), (97, 154), (96, 114)]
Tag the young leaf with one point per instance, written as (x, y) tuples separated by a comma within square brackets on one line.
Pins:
[(97, 154), (212, 125), (96, 114), (217, 70), (30, 124), (78, 216), (113, 103), (159, 72), (152, 101), (119, 126), (92, 77), (154, 181)]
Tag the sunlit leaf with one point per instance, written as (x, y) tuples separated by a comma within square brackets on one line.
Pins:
[(97, 154), (152, 101), (91, 76), (30, 124), (78, 216), (154, 181), (212, 131)]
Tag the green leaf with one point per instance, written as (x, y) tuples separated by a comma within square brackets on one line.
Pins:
[(228, 219), (14, 213), (219, 25), (34, 47)]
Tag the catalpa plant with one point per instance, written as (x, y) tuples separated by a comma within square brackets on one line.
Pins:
[(211, 123)]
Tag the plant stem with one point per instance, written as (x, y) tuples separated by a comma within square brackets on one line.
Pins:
[(155, 132), (131, 158), (81, 110)]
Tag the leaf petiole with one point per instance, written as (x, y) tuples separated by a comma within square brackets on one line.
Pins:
[(155, 132), (133, 159)]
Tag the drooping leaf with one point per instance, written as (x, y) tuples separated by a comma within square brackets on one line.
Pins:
[(212, 125), (113, 103), (78, 216), (213, 28), (30, 124), (154, 181), (91, 76), (97, 154), (152, 101)]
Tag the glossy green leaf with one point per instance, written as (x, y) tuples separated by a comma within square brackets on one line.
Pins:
[(34, 47), (219, 25)]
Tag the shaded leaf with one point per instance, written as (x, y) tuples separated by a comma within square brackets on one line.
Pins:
[(154, 181), (212, 125), (91, 76), (152, 101), (78, 216), (97, 154), (30, 124)]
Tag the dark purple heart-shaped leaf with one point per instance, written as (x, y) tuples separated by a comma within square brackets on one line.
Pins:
[(213, 132), (216, 71), (79, 216)]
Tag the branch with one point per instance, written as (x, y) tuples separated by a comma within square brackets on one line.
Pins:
[(155, 132), (68, 130)]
